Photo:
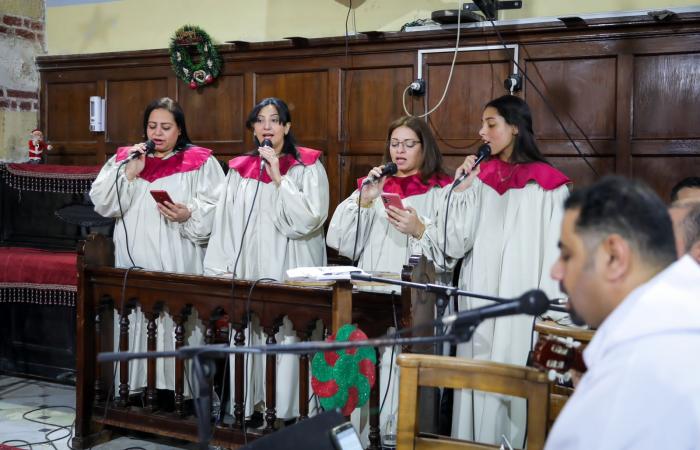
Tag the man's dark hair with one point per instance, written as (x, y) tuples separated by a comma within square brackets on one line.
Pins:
[(629, 208), (690, 226), (689, 182)]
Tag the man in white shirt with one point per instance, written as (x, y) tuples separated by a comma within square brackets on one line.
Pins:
[(642, 388)]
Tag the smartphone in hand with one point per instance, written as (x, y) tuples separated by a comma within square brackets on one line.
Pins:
[(392, 199), (161, 196)]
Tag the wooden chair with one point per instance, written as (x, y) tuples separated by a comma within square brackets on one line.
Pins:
[(457, 373)]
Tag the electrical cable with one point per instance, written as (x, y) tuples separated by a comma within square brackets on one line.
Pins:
[(245, 358), (391, 357), (449, 77), (233, 300), (546, 102), (48, 433), (357, 225)]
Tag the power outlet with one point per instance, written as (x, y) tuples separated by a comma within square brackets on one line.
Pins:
[(417, 88)]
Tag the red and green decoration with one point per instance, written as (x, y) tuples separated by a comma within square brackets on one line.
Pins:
[(208, 66), (343, 378)]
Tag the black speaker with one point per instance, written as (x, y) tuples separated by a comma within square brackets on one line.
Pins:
[(311, 434)]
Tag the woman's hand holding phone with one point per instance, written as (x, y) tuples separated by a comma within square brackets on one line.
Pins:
[(404, 219), (175, 212)]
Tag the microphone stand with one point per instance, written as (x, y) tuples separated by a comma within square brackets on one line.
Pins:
[(204, 367), (460, 331), (439, 290)]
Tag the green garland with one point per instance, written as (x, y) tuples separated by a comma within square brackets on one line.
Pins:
[(209, 66), (344, 378)]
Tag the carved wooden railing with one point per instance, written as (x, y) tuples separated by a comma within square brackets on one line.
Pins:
[(100, 289)]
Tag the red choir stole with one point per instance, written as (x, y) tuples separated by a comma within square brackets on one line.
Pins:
[(412, 184), (502, 176), (248, 166), (187, 160)]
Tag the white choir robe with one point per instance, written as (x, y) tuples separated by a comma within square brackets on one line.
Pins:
[(382, 248), (509, 243), (642, 388), (156, 243), (285, 231)]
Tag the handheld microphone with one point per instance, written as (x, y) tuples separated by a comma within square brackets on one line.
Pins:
[(150, 148), (265, 143), (389, 169), (483, 153), (533, 303)]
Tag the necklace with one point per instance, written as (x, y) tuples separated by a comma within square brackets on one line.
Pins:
[(510, 174)]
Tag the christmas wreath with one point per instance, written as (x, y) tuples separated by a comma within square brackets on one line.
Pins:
[(209, 65), (344, 378)]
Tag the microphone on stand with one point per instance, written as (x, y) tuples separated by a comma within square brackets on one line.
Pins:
[(481, 154), (532, 303), (150, 148), (265, 143), (389, 169)]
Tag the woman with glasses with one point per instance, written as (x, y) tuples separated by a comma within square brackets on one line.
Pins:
[(386, 236), (269, 218)]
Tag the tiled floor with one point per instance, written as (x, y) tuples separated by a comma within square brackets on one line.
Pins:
[(36, 412)]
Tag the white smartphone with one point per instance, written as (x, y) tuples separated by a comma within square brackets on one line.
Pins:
[(345, 437)]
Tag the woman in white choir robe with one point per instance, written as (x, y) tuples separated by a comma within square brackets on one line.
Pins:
[(286, 205), (504, 220), (387, 236), (169, 237)]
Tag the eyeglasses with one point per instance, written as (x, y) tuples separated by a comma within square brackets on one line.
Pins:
[(407, 143), (272, 121)]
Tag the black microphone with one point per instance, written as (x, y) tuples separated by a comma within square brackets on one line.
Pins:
[(533, 303), (150, 148), (389, 169), (265, 143), (483, 153)]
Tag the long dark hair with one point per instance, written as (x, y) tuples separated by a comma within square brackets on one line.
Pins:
[(170, 105), (290, 145), (516, 112), (432, 158)]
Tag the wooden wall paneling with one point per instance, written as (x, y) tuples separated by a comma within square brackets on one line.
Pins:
[(666, 96), (334, 167), (578, 172), (249, 102), (662, 172), (372, 99), (66, 119), (665, 129), (357, 166), (623, 150), (583, 93), (478, 78), (597, 74), (215, 114), (306, 94), (126, 100)]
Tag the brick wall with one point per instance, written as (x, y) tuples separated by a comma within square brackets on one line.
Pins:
[(14, 100), (23, 27), (22, 39)]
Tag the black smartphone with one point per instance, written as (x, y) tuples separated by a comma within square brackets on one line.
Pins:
[(345, 437)]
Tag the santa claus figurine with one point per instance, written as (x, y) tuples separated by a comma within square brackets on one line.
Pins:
[(37, 145)]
